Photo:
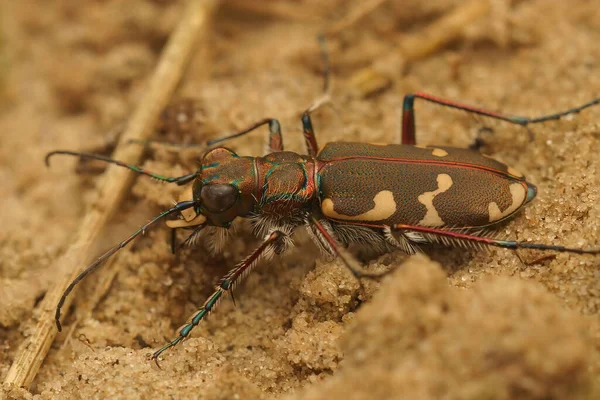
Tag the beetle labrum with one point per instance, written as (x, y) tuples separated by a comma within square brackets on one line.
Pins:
[(394, 196)]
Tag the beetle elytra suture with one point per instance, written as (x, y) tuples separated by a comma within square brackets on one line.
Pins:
[(394, 196)]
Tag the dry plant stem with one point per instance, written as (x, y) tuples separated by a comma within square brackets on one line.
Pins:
[(115, 185), (443, 31), (102, 286), (273, 9), (420, 45), (354, 16)]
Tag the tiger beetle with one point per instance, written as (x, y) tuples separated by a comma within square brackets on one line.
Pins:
[(386, 196)]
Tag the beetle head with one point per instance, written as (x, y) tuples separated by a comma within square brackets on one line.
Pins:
[(222, 191)]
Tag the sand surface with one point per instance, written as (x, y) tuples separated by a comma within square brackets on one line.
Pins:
[(455, 324)]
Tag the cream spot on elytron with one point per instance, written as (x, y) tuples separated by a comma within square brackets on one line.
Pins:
[(385, 207), (514, 172), (439, 153), (435, 152), (518, 193), (432, 218)]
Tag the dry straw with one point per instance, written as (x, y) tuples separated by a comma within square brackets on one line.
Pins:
[(116, 182)]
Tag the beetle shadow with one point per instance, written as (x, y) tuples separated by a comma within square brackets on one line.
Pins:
[(451, 259)]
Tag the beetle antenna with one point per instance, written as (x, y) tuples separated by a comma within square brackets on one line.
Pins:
[(179, 180), (184, 205)]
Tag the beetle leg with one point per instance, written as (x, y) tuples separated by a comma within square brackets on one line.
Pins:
[(408, 114), (312, 148), (190, 239), (326, 64), (449, 238), (173, 240), (274, 143), (272, 245), (170, 146), (327, 241), (179, 180), (310, 139), (275, 140)]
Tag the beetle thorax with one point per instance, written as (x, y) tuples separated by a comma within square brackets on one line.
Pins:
[(285, 182)]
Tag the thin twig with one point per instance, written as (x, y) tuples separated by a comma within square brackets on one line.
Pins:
[(115, 184), (414, 47), (443, 31), (273, 9), (355, 15)]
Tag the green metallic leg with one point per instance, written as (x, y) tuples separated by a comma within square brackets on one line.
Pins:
[(408, 114), (461, 238), (273, 244), (275, 139), (312, 148)]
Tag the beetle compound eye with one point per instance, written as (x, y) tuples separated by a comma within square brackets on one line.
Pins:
[(218, 198)]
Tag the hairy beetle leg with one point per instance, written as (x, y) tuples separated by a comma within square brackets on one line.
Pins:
[(271, 245), (336, 249), (448, 238)]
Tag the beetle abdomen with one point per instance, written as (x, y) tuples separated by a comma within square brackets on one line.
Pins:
[(429, 192)]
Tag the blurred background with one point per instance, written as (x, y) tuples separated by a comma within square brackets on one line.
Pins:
[(72, 72)]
